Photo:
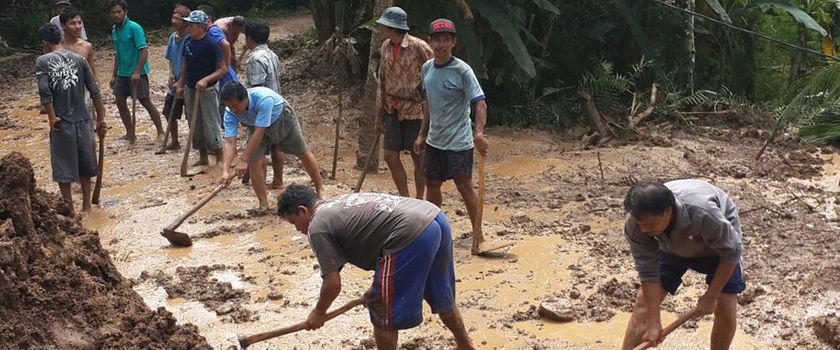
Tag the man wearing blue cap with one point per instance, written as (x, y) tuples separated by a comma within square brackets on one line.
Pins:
[(204, 64), (451, 87), (400, 100)]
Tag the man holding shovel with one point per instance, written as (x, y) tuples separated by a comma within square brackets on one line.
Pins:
[(173, 106), (445, 135), (130, 77), (673, 227), (203, 65), (406, 241), (270, 120)]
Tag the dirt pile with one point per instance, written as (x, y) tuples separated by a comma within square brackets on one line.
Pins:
[(827, 329), (58, 286)]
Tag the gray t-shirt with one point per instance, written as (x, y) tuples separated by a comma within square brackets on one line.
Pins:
[(63, 77), (450, 89), (263, 69), (706, 225), (359, 228)]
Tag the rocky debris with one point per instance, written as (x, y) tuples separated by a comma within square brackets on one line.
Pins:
[(559, 310), (827, 329)]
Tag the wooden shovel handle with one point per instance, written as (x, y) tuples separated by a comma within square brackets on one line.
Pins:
[(480, 213), (190, 137), (195, 208), (97, 188), (373, 148), (671, 327), (169, 119), (251, 339)]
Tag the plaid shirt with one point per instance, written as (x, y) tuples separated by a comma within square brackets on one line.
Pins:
[(399, 78)]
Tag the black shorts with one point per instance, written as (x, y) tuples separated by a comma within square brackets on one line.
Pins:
[(168, 105), (672, 268), (442, 165), (122, 87), (400, 135)]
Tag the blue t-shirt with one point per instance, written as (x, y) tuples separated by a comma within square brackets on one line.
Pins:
[(217, 34), (450, 89), (264, 108), (202, 56), (175, 54)]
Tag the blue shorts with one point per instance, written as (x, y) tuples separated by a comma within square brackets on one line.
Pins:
[(422, 270), (672, 268)]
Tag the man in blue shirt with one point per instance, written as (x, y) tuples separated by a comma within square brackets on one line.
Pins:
[(227, 49), (271, 121), (173, 105), (131, 67), (451, 87)]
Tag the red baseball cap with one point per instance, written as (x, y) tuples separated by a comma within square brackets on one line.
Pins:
[(441, 25)]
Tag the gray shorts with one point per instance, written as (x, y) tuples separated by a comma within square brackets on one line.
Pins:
[(71, 152), (400, 135), (122, 87), (284, 134), (208, 130)]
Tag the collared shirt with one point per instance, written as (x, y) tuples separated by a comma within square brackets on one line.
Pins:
[(451, 89), (214, 32), (263, 68), (399, 77), (264, 108), (706, 225), (57, 22), (128, 41)]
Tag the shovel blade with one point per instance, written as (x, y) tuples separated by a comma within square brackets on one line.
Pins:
[(179, 239)]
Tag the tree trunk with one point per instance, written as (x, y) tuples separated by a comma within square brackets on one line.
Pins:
[(323, 14), (367, 122), (690, 50), (797, 62)]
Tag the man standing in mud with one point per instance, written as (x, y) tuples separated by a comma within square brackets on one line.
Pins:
[(406, 241), (131, 68), (203, 66), (71, 22), (62, 78), (673, 227), (173, 106), (400, 100), (270, 120), (451, 87)]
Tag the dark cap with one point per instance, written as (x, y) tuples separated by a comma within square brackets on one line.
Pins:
[(442, 25)]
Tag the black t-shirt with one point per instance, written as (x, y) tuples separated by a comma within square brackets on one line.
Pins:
[(201, 56)]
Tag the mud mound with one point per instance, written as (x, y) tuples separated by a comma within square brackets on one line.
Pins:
[(827, 329), (59, 288)]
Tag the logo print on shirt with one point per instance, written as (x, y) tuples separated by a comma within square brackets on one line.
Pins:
[(63, 73), (384, 202)]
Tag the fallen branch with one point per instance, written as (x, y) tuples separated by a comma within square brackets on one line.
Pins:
[(636, 119)]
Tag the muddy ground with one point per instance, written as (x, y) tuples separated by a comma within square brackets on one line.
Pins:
[(248, 272)]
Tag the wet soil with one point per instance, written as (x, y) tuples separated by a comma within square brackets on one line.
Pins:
[(58, 286), (544, 191)]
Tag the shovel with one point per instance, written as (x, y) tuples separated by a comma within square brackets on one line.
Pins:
[(98, 187), (244, 342), (133, 107), (367, 164), (189, 139), (671, 327), (485, 251), (169, 119), (182, 239)]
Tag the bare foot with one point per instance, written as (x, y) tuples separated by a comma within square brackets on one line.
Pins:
[(201, 161), (173, 145), (159, 138), (130, 138), (276, 185)]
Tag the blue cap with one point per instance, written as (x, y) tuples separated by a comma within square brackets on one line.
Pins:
[(197, 16), (394, 17)]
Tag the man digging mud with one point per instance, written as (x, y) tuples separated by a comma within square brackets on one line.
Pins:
[(406, 241), (131, 68), (673, 227), (270, 120), (400, 101), (451, 87), (62, 78)]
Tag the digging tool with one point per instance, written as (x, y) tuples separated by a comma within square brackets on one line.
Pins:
[(478, 215), (133, 107), (671, 327), (169, 120), (337, 131), (367, 163), (189, 139), (98, 187), (182, 239), (244, 342)]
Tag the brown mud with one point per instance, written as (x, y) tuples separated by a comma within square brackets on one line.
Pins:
[(544, 191), (58, 286)]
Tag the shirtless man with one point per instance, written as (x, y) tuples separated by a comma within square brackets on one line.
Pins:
[(73, 28)]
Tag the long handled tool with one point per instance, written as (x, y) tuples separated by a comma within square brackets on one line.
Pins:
[(373, 148), (244, 342), (133, 107), (337, 133), (671, 327), (169, 120), (98, 187), (182, 239), (189, 139), (480, 213)]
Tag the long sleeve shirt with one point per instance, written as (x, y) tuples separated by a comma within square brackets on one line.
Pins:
[(706, 225)]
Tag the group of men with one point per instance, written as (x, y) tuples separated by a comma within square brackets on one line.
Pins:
[(423, 106)]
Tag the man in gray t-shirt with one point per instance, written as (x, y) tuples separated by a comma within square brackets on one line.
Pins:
[(63, 77), (673, 227), (406, 241)]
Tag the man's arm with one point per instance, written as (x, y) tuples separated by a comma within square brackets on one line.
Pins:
[(227, 48), (91, 63), (114, 73), (220, 71), (420, 143), (481, 143), (252, 145), (51, 117), (141, 61), (228, 153), (330, 288)]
